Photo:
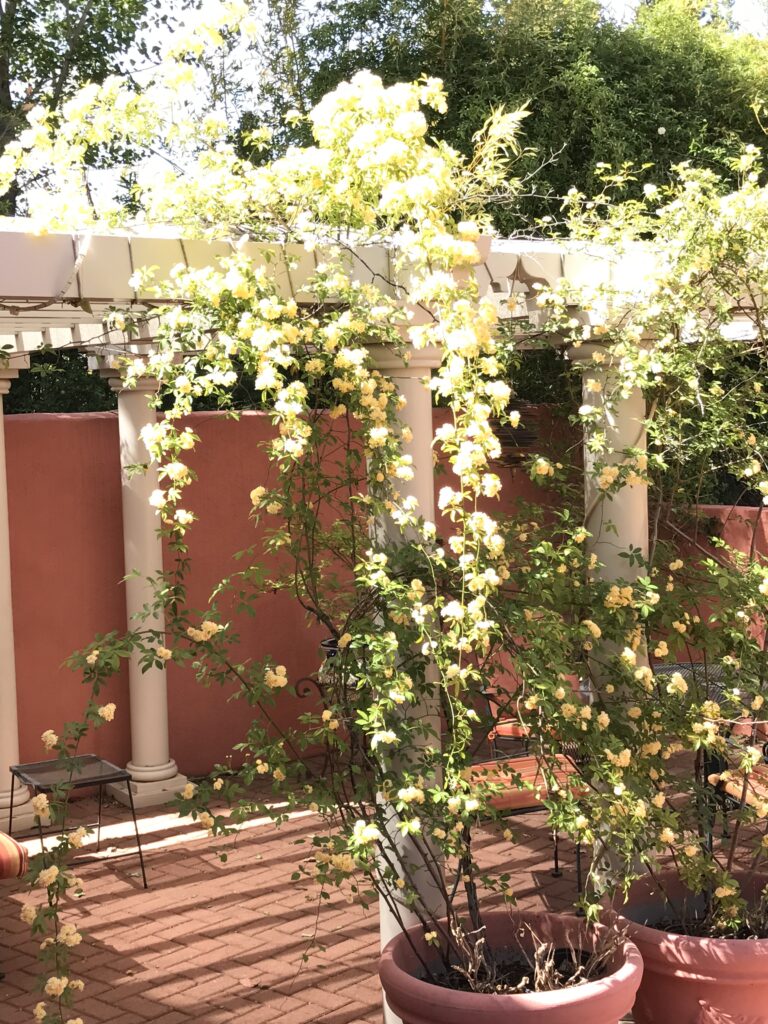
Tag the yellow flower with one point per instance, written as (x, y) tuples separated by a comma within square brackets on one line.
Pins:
[(69, 936), (275, 680), (411, 794), (40, 806), (28, 913), (176, 471), (92, 658), (77, 837), (629, 656), (49, 739), (107, 712), (365, 832), (722, 892), (188, 791), (344, 640), (677, 684), (607, 477), (622, 759), (667, 836), (644, 675), (257, 494), (164, 653), (468, 230), (56, 986)]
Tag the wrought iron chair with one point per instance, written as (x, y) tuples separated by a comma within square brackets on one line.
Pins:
[(523, 782)]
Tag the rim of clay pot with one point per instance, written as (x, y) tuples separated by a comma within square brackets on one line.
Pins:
[(691, 951), (396, 965)]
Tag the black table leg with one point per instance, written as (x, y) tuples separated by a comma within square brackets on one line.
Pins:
[(98, 831), (138, 837), (556, 872), (10, 809)]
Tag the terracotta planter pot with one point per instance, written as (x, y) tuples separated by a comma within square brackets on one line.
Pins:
[(596, 1002), (690, 980)]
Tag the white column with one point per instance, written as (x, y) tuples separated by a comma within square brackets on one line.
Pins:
[(619, 521), (23, 817), (412, 382), (627, 509), (156, 778)]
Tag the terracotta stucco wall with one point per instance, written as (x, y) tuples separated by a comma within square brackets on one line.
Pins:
[(67, 563)]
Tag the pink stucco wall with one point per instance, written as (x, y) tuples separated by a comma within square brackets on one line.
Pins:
[(67, 564)]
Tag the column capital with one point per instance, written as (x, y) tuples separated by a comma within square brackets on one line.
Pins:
[(144, 385), (419, 360), (583, 353), (7, 375)]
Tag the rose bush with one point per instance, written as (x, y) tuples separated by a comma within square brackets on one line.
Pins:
[(424, 615)]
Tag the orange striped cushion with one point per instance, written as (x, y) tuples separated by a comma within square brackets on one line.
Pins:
[(13, 858)]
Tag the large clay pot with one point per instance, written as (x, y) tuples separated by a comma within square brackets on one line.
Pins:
[(596, 1002), (690, 980)]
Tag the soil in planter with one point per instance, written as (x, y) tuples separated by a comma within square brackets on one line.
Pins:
[(699, 928), (515, 973)]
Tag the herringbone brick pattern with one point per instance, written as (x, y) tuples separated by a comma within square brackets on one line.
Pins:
[(219, 943)]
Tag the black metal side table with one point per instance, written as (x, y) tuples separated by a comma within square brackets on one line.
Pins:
[(88, 770)]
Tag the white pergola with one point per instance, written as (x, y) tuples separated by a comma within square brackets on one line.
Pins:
[(58, 289)]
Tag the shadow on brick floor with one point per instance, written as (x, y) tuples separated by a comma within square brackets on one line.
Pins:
[(219, 943)]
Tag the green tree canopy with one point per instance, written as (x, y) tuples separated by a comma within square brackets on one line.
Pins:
[(675, 82), (48, 48)]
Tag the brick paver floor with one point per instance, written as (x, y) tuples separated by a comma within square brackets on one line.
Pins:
[(219, 943)]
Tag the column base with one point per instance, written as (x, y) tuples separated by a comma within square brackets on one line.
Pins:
[(23, 819), (148, 794), (23, 815)]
